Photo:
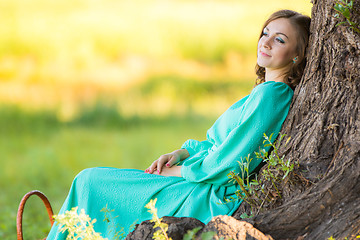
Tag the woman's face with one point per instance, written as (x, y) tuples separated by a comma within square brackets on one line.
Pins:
[(277, 46)]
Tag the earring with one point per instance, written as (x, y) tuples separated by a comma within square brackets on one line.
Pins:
[(294, 60)]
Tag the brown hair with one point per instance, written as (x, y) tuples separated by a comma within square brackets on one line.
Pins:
[(302, 25)]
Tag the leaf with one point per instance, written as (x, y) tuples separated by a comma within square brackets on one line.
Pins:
[(245, 215), (190, 235), (287, 172), (271, 135), (288, 140), (341, 8), (256, 183), (208, 235), (346, 13), (340, 24)]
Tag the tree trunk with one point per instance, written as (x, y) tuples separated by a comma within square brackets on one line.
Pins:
[(324, 126)]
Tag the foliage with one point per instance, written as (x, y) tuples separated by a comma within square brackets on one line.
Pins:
[(277, 168), (191, 234), (118, 231), (209, 236), (344, 8), (78, 226), (161, 233), (105, 49), (253, 189), (111, 27)]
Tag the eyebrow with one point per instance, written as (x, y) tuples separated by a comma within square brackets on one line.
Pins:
[(277, 32)]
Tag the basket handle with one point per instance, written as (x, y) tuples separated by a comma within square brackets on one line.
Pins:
[(21, 211)]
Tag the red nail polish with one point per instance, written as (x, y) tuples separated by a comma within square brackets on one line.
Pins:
[(168, 165)]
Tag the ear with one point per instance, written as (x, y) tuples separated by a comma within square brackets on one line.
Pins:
[(295, 59)]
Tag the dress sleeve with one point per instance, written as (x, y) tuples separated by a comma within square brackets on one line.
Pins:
[(194, 146), (264, 112)]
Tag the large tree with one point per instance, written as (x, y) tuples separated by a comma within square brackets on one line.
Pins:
[(324, 127)]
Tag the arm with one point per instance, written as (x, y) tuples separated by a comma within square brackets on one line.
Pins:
[(264, 112), (193, 146)]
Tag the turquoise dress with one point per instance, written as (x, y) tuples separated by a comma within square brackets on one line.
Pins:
[(204, 182)]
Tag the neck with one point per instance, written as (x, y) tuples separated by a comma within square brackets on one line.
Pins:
[(276, 75)]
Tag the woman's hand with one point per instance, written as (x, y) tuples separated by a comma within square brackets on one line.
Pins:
[(169, 160), (174, 171)]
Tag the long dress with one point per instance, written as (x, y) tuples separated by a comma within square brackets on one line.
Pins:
[(204, 183)]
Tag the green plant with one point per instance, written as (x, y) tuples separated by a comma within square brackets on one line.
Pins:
[(277, 167), (118, 231), (161, 233), (79, 226), (253, 189), (247, 185), (344, 8), (191, 234)]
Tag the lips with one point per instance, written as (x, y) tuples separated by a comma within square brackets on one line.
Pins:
[(264, 54)]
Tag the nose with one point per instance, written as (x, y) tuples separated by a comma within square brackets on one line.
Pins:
[(267, 43)]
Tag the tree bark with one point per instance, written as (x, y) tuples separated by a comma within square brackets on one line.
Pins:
[(324, 127)]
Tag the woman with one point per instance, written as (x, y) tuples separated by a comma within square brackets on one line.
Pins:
[(191, 181)]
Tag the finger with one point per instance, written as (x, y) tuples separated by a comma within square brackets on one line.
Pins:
[(153, 166), (175, 158), (171, 161), (162, 160)]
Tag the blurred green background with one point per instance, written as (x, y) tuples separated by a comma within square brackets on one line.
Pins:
[(86, 83)]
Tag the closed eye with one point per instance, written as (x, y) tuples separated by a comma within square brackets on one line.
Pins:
[(280, 40)]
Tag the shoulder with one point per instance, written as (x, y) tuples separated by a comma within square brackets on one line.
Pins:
[(272, 89)]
